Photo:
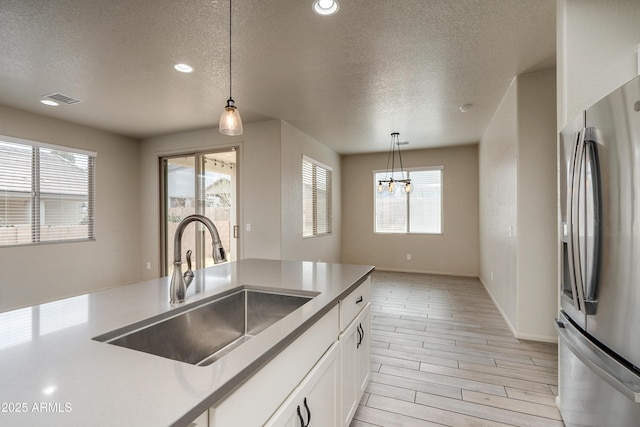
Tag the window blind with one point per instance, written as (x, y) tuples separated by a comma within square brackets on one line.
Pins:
[(46, 193), (417, 212), (316, 198)]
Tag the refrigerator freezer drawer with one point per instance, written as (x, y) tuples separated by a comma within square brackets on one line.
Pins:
[(595, 390)]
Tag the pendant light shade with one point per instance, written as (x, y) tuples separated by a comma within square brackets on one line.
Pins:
[(230, 121)]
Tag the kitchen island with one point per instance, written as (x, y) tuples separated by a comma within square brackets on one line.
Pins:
[(53, 372)]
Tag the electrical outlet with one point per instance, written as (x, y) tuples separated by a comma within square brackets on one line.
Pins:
[(148, 265), (408, 257)]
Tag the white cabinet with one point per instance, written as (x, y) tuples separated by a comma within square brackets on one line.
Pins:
[(313, 402), (254, 402), (355, 364), (327, 368)]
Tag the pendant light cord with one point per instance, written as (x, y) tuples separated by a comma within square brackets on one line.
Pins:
[(230, 97)]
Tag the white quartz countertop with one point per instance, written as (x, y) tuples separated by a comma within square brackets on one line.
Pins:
[(53, 373)]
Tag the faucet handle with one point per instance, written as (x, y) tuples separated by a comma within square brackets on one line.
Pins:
[(188, 275)]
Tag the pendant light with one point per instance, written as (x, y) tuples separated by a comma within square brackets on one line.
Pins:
[(230, 121), (389, 185)]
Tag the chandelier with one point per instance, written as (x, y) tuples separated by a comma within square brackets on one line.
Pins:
[(389, 185)]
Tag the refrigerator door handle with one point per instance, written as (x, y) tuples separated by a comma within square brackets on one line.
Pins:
[(609, 369), (573, 203), (594, 215), (571, 211)]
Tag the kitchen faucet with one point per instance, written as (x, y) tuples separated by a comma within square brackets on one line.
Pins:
[(180, 282)]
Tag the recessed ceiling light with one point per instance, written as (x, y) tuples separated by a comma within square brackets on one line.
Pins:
[(49, 102), (184, 68), (325, 7), (465, 108)]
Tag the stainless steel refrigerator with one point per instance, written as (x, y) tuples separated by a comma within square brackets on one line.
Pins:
[(599, 322)]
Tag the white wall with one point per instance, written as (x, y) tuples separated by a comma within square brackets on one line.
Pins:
[(518, 206), (269, 175), (295, 144), (498, 158), (537, 217), (597, 51), (258, 176), (34, 274), (455, 251)]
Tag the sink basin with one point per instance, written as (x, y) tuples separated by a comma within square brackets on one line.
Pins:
[(204, 333)]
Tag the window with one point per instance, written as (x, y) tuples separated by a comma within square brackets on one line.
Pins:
[(46, 193), (316, 198), (418, 212)]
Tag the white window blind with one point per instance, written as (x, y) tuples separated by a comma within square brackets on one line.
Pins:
[(316, 198), (419, 212), (46, 193)]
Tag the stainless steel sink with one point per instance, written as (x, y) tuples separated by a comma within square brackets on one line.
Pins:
[(207, 331)]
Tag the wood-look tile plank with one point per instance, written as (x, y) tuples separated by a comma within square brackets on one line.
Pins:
[(391, 391), (428, 414), (419, 336), (481, 377), (416, 385), (431, 350), (370, 416), (543, 398), (385, 358), (538, 377), (544, 361), (492, 413), (529, 367), (414, 356), (498, 351), (525, 407), (449, 336), (449, 380)]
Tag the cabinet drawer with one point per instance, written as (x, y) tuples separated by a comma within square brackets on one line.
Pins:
[(354, 303)]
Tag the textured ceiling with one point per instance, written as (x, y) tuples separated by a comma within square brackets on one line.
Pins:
[(347, 80)]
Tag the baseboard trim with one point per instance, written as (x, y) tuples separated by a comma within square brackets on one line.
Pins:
[(514, 331), (436, 273)]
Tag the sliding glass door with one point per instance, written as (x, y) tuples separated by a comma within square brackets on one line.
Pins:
[(202, 183)]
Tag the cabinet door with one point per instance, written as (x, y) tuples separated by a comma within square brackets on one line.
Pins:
[(349, 378), (314, 402), (355, 364), (364, 351)]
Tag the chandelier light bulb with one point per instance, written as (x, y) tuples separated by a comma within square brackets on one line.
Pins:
[(380, 187), (392, 187), (408, 188)]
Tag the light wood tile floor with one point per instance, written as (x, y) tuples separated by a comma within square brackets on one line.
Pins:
[(441, 354)]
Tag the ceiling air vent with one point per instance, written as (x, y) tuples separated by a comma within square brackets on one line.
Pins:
[(61, 98)]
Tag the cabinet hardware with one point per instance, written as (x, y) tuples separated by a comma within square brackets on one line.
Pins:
[(360, 330), (302, 423), (359, 300), (308, 413)]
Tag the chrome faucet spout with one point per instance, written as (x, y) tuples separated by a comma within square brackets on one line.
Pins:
[(180, 282)]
